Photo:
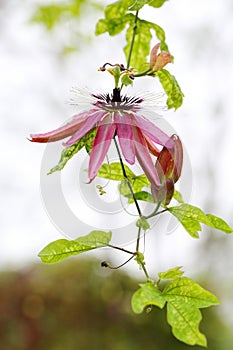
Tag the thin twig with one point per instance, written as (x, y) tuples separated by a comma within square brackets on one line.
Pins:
[(126, 177), (133, 39)]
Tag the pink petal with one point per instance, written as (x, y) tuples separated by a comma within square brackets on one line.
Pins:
[(152, 131), (125, 136), (144, 158), (101, 145), (85, 127), (62, 132)]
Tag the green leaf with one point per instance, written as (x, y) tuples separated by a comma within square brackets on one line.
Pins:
[(178, 196), (184, 298), (171, 274), (141, 48), (51, 14), (113, 26), (126, 80), (115, 18), (69, 152), (218, 223), (137, 5), (143, 223), (63, 248), (191, 216), (184, 320), (148, 294), (114, 172), (172, 89), (89, 139), (144, 196), (160, 35), (156, 3), (137, 183), (185, 290)]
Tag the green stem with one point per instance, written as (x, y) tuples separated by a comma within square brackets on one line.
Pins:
[(133, 39), (119, 266), (126, 178), (121, 249), (155, 212), (138, 239), (142, 74)]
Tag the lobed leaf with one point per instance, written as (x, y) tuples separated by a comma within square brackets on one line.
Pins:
[(148, 294), (172, 89), (171, 274), (191, 216), (184, 320), (185, 290), (63, 248)]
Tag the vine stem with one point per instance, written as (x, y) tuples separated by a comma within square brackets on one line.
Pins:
[(133, 39), (126, 177), (156, 212), (121, 249)]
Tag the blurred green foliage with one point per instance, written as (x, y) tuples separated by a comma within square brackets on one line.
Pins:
[(78, 305), (65, 19)]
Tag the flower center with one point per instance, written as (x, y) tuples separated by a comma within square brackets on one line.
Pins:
[(117, 102)]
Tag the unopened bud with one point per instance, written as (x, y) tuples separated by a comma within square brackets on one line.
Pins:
[(168, 166), (158, 61)]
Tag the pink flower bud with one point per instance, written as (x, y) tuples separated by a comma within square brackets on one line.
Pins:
[(154, 55), (158, 61)]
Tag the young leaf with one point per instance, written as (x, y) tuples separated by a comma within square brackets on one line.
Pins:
[(178, 196), (171, 274), (191, 216), (148, 294), (143, 223), (114, 172), (184, 290), (69, 152), (172, 89), (184, 320), (63, 248)]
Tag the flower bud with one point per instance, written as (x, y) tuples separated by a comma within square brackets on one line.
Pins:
[(170, 160), (168, 166), (158, 61)]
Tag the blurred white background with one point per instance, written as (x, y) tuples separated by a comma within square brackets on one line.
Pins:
[(35, 80)]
